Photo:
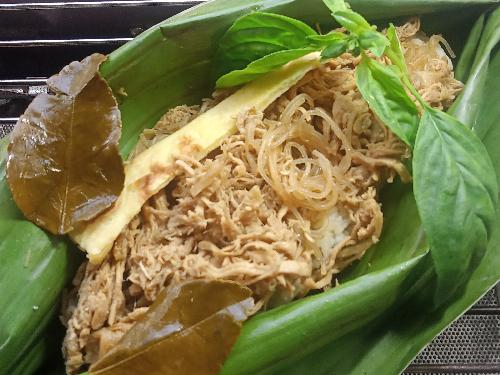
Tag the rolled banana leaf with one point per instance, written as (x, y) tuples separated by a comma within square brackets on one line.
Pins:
[(379, 318)]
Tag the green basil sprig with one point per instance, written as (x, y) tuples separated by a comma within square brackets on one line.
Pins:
[(373, 41), (336, 5), (454, 180), (456, 193), (259, 42), (395, 52), (256, 36), (261, 66), (365, 35), (455, 183), (381, 87), (326, 39), (334, 44)]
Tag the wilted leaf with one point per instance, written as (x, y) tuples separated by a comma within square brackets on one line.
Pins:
[(190, 329), (63, 162)]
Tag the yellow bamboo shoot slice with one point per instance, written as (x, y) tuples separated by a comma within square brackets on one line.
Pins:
[(153, 169)]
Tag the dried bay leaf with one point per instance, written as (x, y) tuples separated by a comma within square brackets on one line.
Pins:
[(190, 329), (63, 161)]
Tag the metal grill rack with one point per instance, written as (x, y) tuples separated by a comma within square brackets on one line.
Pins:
[(471, 345), (38, 38)]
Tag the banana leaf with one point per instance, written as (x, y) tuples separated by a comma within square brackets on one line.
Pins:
[(34, 267), (378, 320)]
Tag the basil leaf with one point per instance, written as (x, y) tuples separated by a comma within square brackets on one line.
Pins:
[(352, 21), (381, 87), (373, 41), (256, 35), (395, 52), (325, 40), (456, 192), (334, 49), (336, 5), (260, 67)]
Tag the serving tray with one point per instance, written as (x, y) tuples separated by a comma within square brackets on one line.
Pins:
[(39, 38)]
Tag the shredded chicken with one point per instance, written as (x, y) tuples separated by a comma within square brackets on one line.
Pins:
[(431, 70), (282, 207)]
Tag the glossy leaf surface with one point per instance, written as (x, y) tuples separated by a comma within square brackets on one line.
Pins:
[(63, 161), (256, 35), (456, 193), (190, 329), (261, 66), (76, 75), (473, 95)]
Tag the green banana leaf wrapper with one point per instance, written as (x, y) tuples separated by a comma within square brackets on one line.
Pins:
[(381, 316)]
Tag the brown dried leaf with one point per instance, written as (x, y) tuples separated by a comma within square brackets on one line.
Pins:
[(190, 329), (75, 76), (63, 164)]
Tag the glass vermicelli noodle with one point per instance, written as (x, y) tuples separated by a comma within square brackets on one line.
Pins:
[(283, 206)]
